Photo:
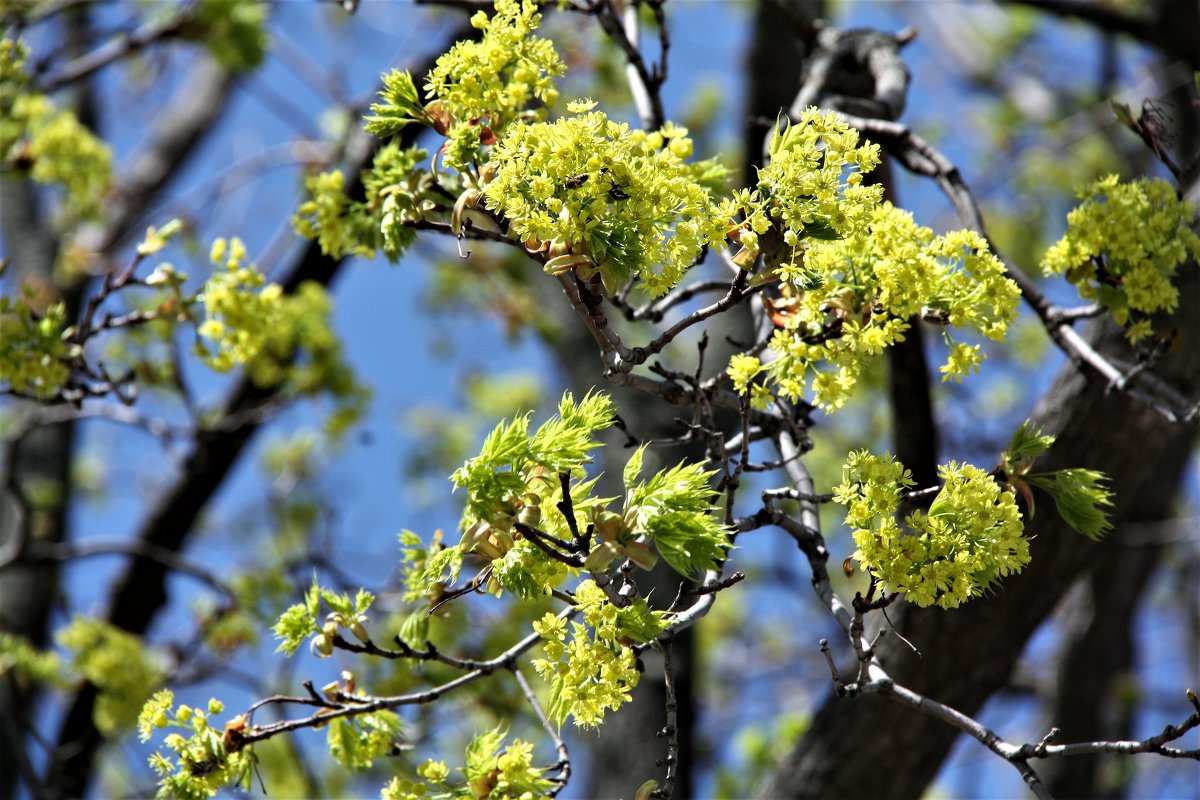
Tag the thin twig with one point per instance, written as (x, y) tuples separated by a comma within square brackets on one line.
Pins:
[(364, 705), (670, 731), (116, 48), (560, 747)]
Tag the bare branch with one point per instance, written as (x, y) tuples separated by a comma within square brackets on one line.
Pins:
[(671, 729), (1101, 15), (560, 747), (90, 548), (353, 706), (115, 49)]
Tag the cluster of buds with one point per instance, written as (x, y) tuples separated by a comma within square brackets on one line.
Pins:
[(335, 692), (617, 538), (494, 537), (321, 645), (563, 257)]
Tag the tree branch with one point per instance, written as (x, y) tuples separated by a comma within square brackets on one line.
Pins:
[(116, 48)]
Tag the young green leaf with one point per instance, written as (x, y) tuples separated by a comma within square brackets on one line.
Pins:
[(1080, 495), (1027, 443)]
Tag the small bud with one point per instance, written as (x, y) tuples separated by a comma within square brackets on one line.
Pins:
[(601, 556), (321, 646), (609, 525), (530, 516), (641, 555), (473, 534)]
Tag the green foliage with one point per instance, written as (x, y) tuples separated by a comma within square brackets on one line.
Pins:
[(396, 196), (1123, 246), (593, 197), (34, 346), (401, 105), (233, 31), (970, 537), (1080, 495), (491, 772), (300, 621), (674, 510), (863, 291), (49, 144), (589, 667), (605, 199), (117, 663), (355, 742), (1027, 444), (278, 338), (206, 759), (761, 750), (27, 666), (517, 471)]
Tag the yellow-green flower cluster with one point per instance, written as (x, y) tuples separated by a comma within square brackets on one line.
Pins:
[(329, 217), (33, 347), (810, 190), (278, 338), (868, 287), (395, 196), (477, 88), (27, 666), (621, 200), (355, 742), (1123, 246), (592, 671), (49, 143), (117, 664), (199, 764), (971, 536), (489, 82), (492, 772)]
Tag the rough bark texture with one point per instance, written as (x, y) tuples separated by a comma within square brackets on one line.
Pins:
[(1096, 694)]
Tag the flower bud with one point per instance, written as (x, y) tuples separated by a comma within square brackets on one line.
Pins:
[(641, 554), (473, 534), (609, 525), (601, 556), (321, 646), (530, 516)]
